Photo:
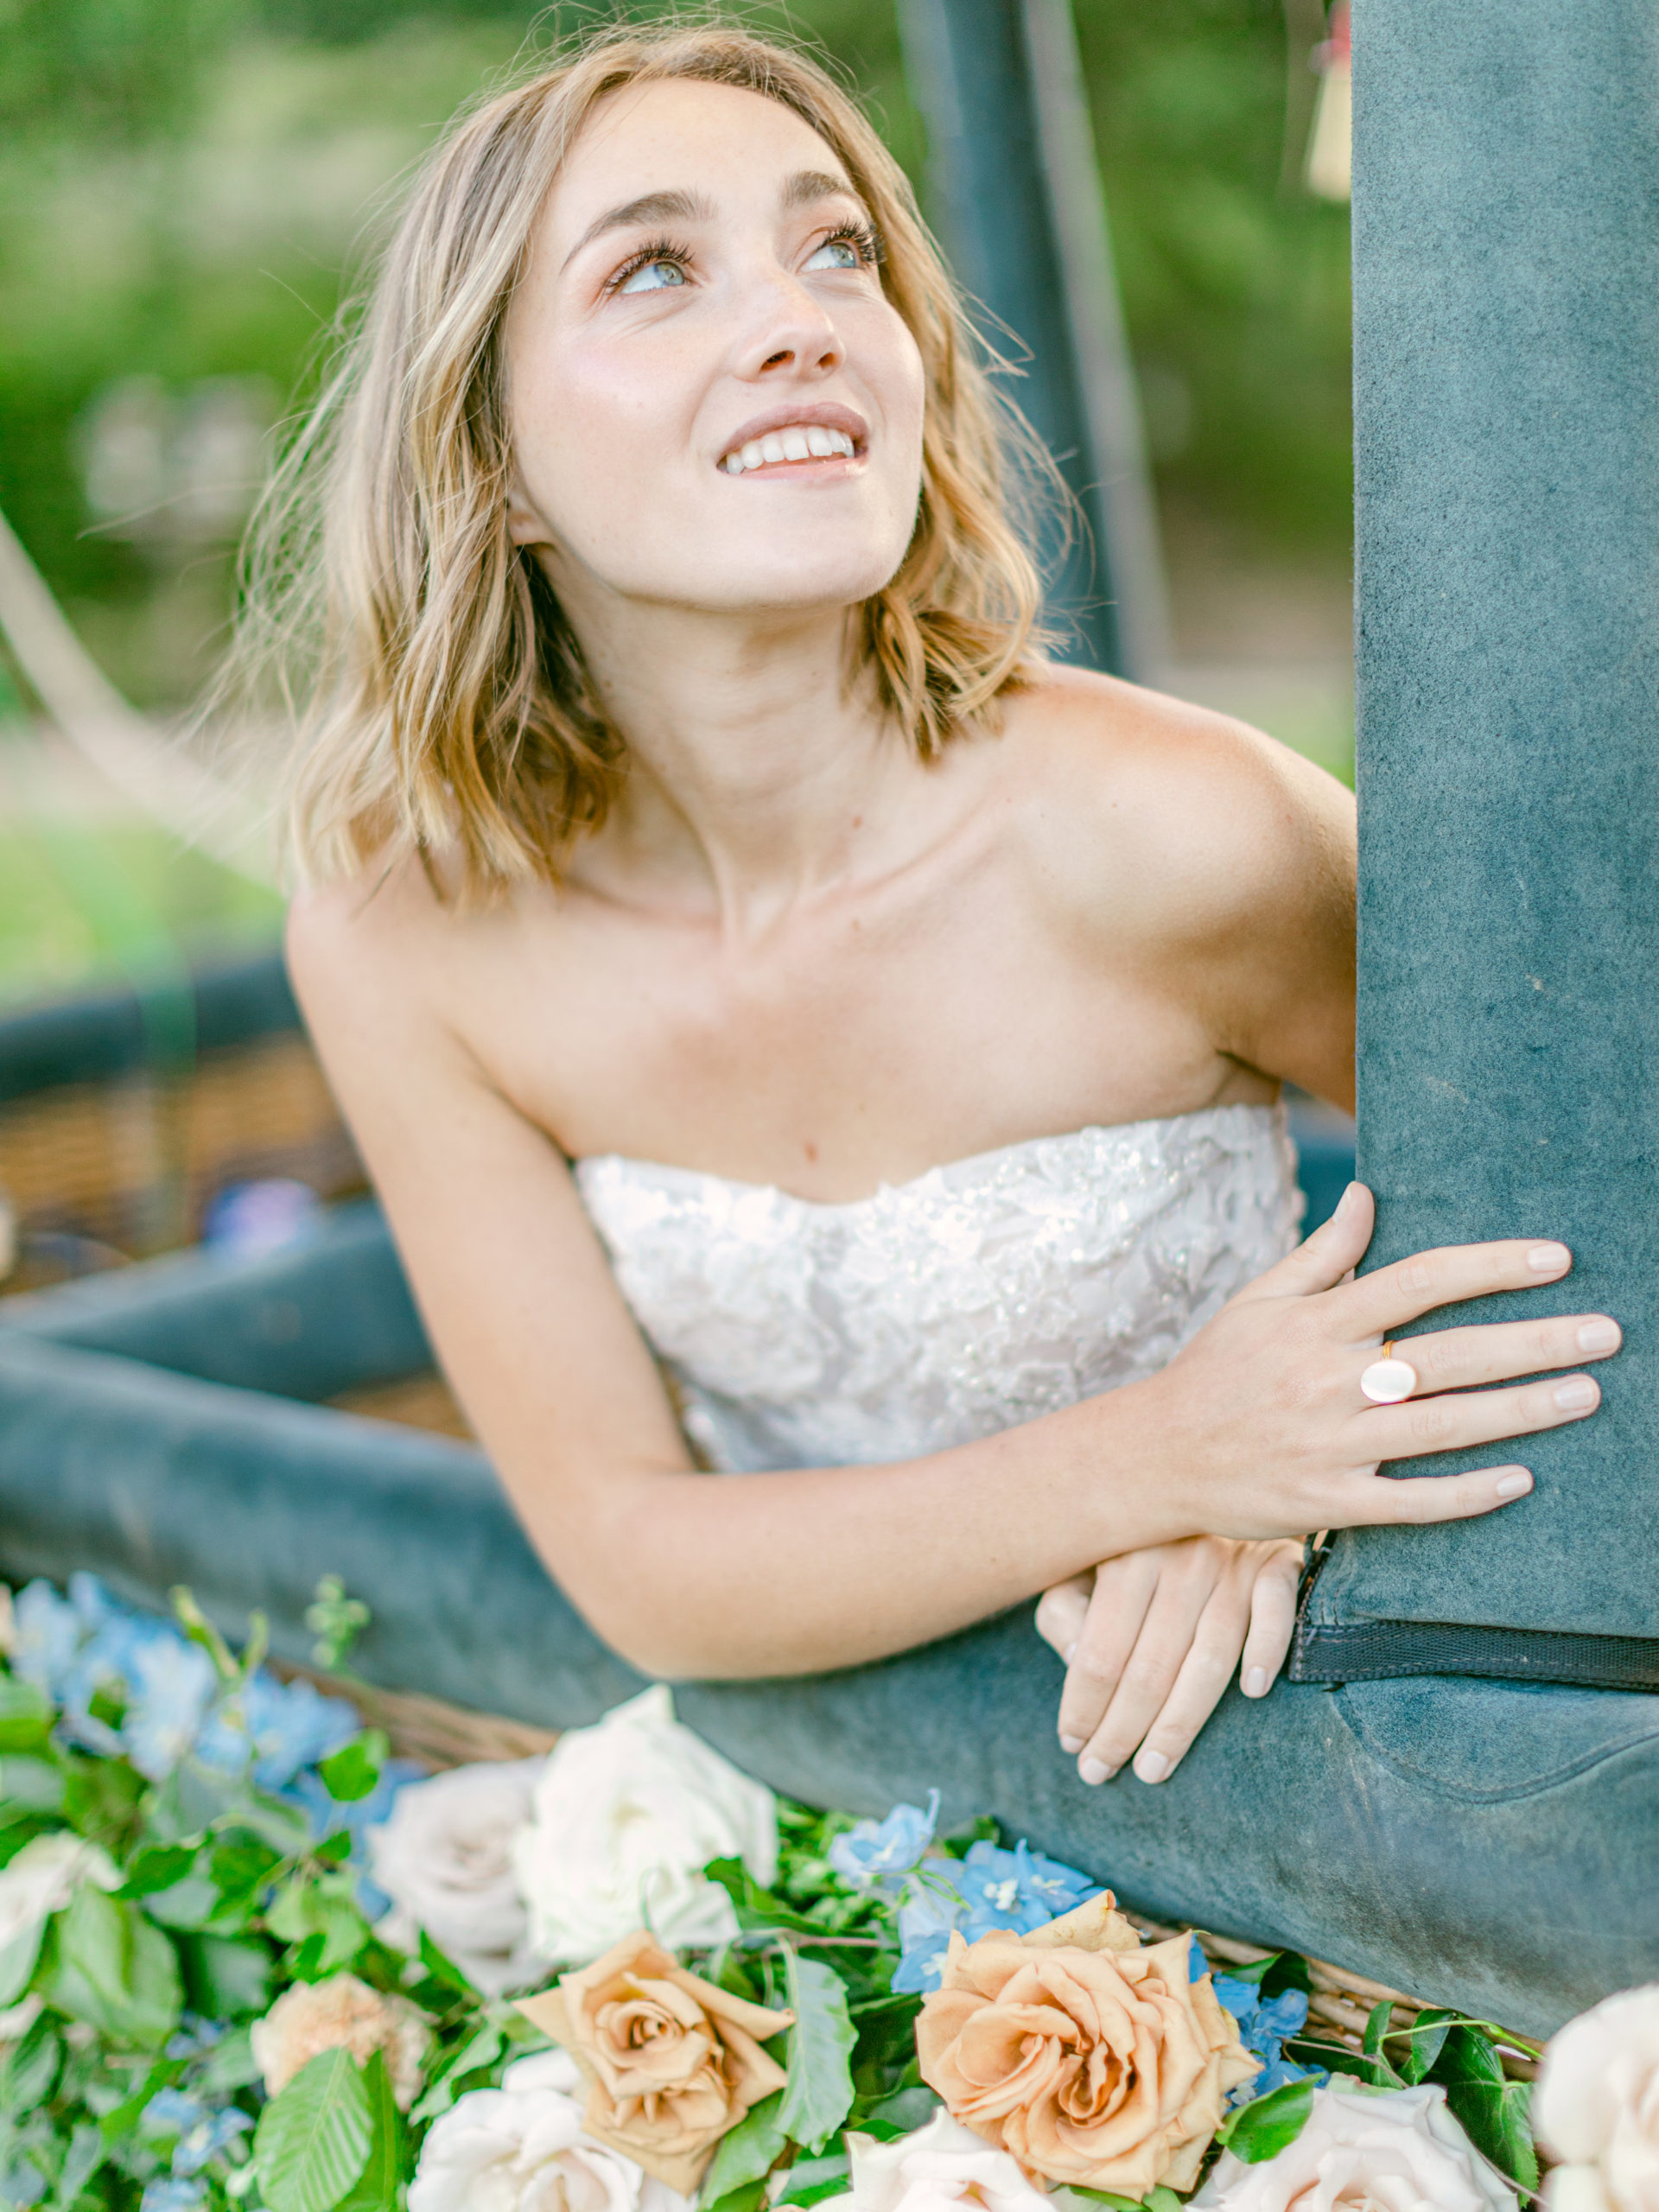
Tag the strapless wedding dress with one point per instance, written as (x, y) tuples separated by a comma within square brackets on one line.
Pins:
[(939, 1311)]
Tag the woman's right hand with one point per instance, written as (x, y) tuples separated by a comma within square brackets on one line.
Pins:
[(1263, 1426)]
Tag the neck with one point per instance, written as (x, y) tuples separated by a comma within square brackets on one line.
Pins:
[(757, 771)]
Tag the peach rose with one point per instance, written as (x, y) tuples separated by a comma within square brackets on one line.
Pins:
[(340, 2014), (672, 2063), (1096, 2062)]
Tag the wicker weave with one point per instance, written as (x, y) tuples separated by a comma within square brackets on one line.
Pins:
[(132, 1164)]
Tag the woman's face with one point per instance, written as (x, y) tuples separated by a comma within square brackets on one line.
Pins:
[(713, 403)]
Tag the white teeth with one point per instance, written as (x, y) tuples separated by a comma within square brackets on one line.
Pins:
[(797, 441)]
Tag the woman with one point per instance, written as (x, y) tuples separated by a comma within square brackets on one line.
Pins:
[(729, 938)]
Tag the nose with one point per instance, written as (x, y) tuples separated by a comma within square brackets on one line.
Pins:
[(791, 332)]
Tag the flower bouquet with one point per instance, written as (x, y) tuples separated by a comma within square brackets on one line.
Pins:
[(249, 1958)]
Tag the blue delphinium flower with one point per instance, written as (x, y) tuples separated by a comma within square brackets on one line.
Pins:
[(989, 1889), (171, 1688), (877, 1855), (929, 1910), (207, 2137), (1263, 2024), (280, 1726), (173, 2196), (329, 1816), (1017, 1889)]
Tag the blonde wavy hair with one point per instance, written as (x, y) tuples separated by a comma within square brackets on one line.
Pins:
[(440, 696)]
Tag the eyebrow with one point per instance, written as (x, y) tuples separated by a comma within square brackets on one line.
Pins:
[(803, 189)]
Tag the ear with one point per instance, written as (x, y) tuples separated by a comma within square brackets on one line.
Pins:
[(525, 525)]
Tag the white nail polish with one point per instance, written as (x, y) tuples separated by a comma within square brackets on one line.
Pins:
[(1069, 1654), (1256, 1682), (1151, 1766), (1071, 1746), (1514, 1485), (1094, 1772)]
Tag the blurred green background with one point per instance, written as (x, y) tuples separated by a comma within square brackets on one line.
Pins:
[(187, 188)]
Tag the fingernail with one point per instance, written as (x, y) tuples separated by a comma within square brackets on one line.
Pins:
[(1256, 1682), (1151, 1766), (1515, 1484), (1548, 1259), (1573, 1397), (1071, 1746), (1347, 1198), (1598, 1336), (1093, 1772), (1071, 1650)]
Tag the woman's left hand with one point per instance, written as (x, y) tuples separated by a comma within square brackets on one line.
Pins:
[(1151, 1639)]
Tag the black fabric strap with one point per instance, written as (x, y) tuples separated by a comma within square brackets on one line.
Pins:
[(1379, 1651)]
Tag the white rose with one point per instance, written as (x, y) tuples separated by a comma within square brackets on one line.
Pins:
[(934, 2168), (625, 1816), (1398, 2151), (520, 2148), (444, 1858), (1597, 2107), (44, 1876)]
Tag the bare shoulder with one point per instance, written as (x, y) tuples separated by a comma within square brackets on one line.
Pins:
[(1197, 816), (368, 954)]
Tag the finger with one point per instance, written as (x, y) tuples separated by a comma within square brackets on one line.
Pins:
[(1384, 1501), (1154, 1666), (1199, 1686), (1062, 1611), (1455, 1422), (1457, 1359), (1376, 1305), (1321, 1261), (1124, 1589), (1273, 1622)]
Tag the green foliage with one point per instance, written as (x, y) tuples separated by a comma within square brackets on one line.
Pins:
[(819, 2093), (1493, 2108), (749, 2152), (1266, 2126), (105, 1963), (351, 1772), (316, 2138)]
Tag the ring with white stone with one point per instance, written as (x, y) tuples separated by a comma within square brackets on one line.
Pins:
[(1388, 1380)]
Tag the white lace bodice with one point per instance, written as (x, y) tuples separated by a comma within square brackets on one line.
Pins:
[(982, 1295)]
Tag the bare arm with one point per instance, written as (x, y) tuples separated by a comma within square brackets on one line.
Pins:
[(805, 1570)]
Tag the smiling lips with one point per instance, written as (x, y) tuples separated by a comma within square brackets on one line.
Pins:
[(794, 442)]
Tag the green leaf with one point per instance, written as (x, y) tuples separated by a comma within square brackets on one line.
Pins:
[(1383, 2072), (231, 2064), (819, 2093), (353, 1771), (159, 1867), (756, 1907), (27, 1716), (227, 1977), (30, 2070), (31, 1785), (810, 2180), (1162, 2200), (315, 2139), (322, 1919), (481, 2049), (748, 2153), (17, 1961), (1425, 2039), (1268, 2125), (1072, 2198), (749, 2198), (86, 2153), (376, 2187), (127, 2114), (1492, 2108), (113, 1969), (443, 1968), (900, 2113)]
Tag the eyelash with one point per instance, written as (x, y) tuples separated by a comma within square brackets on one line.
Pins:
[(862, 235)]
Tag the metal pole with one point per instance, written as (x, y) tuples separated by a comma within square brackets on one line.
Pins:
[(1015, 191)]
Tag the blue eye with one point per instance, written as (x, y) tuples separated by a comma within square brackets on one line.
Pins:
[(843, 254), (657, 276)]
